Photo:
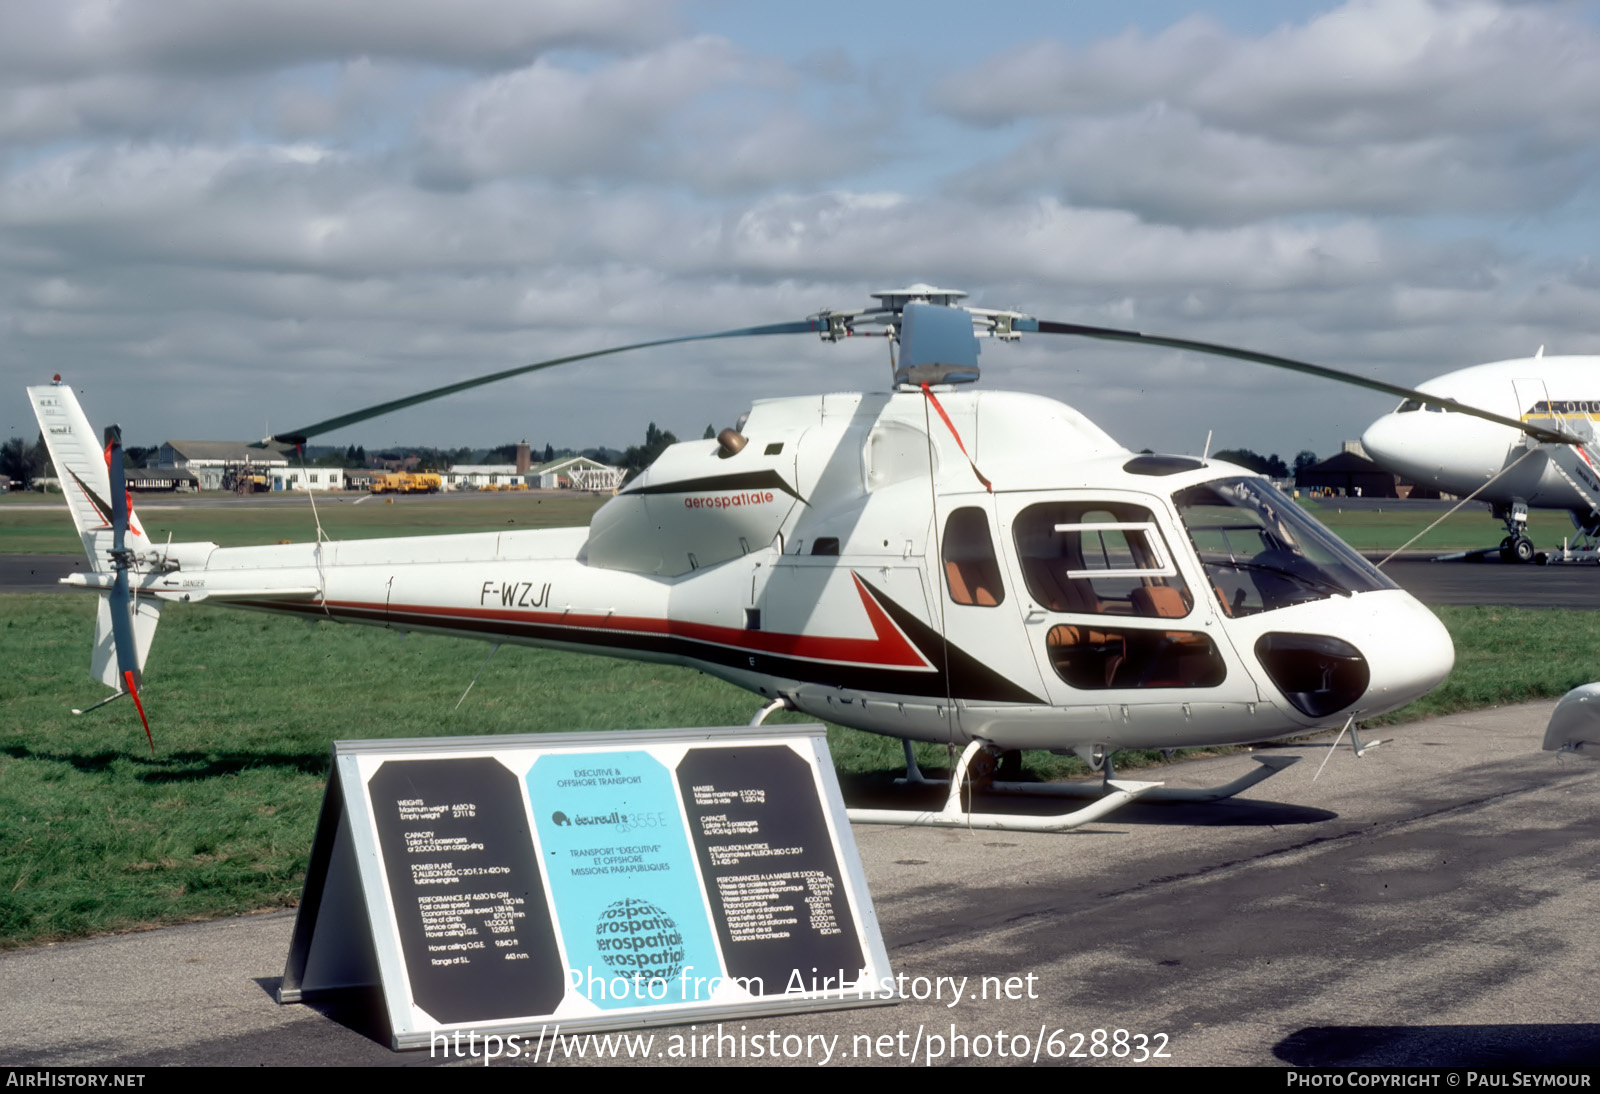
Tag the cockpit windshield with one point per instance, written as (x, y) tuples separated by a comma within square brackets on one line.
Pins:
[(1261, 551)]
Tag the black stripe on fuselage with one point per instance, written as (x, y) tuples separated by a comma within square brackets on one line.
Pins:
[(969, 678)]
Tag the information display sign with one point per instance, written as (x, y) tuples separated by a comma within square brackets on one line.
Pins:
[(511, 885)]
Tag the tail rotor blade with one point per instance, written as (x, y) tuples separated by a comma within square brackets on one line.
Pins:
[(133, 690), (127, 649), (121, 600)]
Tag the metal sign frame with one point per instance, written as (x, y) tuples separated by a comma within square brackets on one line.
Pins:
[(706, 861)]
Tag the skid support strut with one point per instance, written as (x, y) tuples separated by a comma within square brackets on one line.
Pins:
[(1110, 794), (953, 816)]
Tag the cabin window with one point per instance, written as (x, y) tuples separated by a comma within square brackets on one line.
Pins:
[(971, 570), (1097, 659), (1099, 558)]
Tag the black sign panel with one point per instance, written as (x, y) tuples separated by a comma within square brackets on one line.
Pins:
[(777, 898), (469, 903)]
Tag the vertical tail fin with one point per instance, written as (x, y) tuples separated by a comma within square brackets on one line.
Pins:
[(92, 479), (80, 462)]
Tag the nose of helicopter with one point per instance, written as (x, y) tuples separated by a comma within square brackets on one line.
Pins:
[(1363, 655), (1408, 652)]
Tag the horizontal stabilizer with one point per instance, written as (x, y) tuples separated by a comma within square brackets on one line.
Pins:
[(303, 592), (247, 585)]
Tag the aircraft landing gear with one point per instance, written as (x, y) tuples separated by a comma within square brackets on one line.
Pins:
[(1516, 547)]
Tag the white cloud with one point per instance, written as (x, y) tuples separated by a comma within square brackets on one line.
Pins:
[(1368, 70), (698, 112), (1378, 106), (1169, 166), (1043, 242), (66, 38), (560, 123)]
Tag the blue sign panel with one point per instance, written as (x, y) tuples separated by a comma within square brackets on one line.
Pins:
[(622, 876)]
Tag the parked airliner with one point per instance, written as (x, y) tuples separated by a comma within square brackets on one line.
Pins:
[(1432, 445)]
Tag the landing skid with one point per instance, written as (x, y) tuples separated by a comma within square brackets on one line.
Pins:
[(1121, 791)]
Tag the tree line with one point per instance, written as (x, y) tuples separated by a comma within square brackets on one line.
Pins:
[(1271, 466)]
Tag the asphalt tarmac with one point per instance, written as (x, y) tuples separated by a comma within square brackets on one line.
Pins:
[(1428, 904)]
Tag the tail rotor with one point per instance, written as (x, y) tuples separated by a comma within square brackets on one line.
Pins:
[(120, 598)]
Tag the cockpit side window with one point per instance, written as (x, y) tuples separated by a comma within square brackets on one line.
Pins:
[(971, 570), (1099, 558), (1263, 552), (1408, 406)]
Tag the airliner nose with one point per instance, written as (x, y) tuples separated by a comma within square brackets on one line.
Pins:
[(1386, 439)]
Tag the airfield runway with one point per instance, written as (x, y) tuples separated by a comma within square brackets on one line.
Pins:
[(1429, 904)]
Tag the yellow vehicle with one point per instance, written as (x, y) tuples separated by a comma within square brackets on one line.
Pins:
[(406, 482), (245, 480)]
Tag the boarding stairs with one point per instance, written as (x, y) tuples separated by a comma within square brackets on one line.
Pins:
[(1579, 465)]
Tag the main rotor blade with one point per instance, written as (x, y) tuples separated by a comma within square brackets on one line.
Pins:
[(1108, 334), (299, 436)]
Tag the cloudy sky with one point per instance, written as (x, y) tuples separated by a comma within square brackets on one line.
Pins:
[(219, 217)]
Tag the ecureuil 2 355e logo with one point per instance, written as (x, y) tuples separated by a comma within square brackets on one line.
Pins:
[(624, 822)]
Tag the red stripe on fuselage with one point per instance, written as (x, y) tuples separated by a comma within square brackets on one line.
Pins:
[(887, 648)]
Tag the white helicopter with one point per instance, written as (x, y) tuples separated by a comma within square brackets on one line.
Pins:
[(1425, 441), (932, 562)]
